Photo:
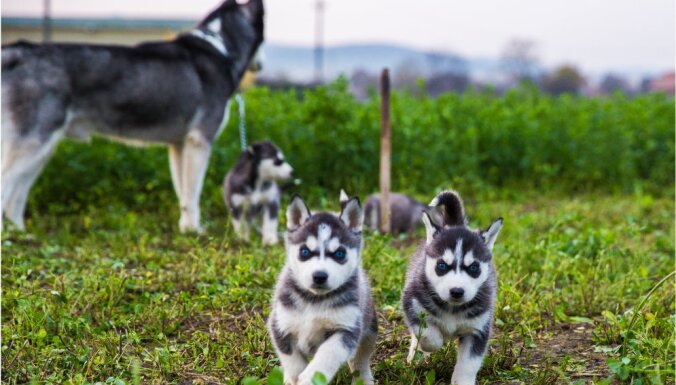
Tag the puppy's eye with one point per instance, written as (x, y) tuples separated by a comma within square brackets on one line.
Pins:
[(339, 254), (305, 253), (442, 267), (278, 162), (474, 268)]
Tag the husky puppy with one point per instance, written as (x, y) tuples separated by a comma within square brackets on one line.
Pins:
[(322, 308), (250, 189), (405, 212), (450, 288)]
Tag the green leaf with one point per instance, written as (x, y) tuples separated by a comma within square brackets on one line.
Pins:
[(250, 381), (319, 379), (430, 377), (276, 376), (578, 319)]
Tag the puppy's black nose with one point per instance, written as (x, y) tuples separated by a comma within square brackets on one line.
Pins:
[(319, 277), (457, 292)]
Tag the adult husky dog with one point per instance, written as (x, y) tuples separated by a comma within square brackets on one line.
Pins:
[(174, 93)]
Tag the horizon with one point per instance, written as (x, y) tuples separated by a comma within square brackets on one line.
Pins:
[(603, 37)]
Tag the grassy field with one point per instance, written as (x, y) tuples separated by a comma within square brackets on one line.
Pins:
[(115, 295)]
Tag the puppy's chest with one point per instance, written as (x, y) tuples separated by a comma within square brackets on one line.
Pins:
[(454, 325), (312, 324), (264, 192)]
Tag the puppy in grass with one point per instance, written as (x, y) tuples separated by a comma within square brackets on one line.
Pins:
[(450, 288), (250, 189), (322, 312)]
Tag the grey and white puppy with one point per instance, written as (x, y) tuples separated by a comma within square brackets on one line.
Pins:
[(450, 288), (322, 312), (405, 212), (250, 189)]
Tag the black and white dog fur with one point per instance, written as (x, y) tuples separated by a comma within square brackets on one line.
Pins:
[(250, 189), (174, 93), (405, 212), (322, 307), (450, 288)]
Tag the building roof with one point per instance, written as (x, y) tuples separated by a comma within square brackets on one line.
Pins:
[(92, 24), (665, 83)]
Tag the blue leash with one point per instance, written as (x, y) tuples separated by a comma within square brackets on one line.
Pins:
[(242, 123)]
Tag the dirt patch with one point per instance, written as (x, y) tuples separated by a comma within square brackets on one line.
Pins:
[(572, 343), (564, 349)]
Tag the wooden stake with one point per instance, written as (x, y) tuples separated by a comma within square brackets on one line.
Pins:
[(385, 151)]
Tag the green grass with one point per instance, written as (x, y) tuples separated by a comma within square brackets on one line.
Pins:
[(115, 295)]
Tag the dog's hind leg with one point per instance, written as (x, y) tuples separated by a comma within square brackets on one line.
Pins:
[(194, 163), (175, 161), (240, 222), (362, 359), (269, 228), (22, 161)]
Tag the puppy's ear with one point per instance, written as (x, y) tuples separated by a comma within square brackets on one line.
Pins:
[(352, 215), (431, 228), (491, 233), (343, 196), (297, 213), (453, 210), (250, 150)]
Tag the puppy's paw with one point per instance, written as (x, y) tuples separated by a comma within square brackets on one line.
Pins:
[(269, 241), (431, 340), (305, 378)]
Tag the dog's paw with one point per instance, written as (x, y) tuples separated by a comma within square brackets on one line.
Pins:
[(411, 356), (431, 340), (365, 379), (305, 378), (190, 229), (270, 241)]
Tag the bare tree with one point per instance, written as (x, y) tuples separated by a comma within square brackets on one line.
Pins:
[(519, 60), (565, 79), (612, 83), (361, 82), (406, 74)]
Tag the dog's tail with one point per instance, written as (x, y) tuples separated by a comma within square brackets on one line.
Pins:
[(453, 210)]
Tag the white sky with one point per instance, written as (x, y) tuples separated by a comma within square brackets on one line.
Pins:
[(597, 35)]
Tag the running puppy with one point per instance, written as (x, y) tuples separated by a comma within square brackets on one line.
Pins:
[(250, 189), (450, 288), (322, 306)]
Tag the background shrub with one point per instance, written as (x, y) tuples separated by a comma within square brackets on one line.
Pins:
[(477, 139)]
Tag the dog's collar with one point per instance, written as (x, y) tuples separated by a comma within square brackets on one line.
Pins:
[(213, 38)]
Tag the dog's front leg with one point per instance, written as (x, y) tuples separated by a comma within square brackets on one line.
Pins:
[(270, 212), (470, 356), (240, 223), (175, 166), (330, 356), (194, 161), (430, 341), (292, 365)]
